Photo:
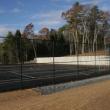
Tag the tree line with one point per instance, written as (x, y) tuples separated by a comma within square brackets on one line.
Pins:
[(84, 31)]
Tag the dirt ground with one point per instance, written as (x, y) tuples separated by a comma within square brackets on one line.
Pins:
[(90, 97)]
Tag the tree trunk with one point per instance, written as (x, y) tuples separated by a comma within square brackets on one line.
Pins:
[(95, 40), (34, 49)]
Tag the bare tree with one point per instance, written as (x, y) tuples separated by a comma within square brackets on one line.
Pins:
[(29, 34)]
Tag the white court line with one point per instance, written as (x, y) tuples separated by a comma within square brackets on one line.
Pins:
[(84, 70), (67, 70), (22, 74), (58, 75), (47, 77)]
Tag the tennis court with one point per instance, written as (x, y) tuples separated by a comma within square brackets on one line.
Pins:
[(33, 75), (48, 64)]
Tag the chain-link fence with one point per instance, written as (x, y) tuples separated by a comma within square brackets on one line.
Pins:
[(26, 63)]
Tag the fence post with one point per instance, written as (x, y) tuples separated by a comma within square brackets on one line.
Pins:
[(96, 72), (77, 49), (21, 63), (53, 55), (109, 57)]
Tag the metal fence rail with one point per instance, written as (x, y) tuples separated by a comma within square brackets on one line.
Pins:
[(27, 63)]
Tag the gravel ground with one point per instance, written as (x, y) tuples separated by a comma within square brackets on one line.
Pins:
[(90, 97)]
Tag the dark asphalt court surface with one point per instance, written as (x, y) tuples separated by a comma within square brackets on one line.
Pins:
[(33, 75)]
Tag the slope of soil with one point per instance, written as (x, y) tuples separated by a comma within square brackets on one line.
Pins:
[(91, 97)]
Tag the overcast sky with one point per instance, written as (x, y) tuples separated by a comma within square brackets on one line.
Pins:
[(15, 14)]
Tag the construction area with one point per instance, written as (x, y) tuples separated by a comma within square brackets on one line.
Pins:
[(94, 96)]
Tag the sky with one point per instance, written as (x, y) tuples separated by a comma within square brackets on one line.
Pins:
[(16, 14)]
